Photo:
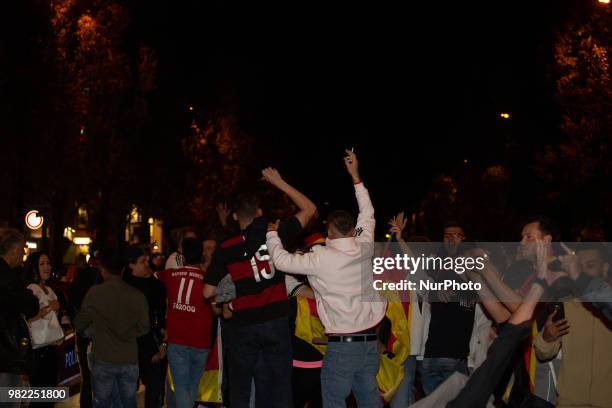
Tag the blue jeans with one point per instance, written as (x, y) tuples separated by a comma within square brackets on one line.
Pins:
[(350, 366), (109, 376), (434, 371), (404, 396), (187, 367), (116, 397)]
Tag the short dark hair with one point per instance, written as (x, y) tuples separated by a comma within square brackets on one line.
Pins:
[(31, 270), (186, 230), (9, 237), (600, 247), (192, 251), (246, 205), (342, 221), (111, 261), (545, 224), (133, 252)]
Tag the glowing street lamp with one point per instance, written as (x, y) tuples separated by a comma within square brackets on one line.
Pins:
[(504, 115), (604, 1)]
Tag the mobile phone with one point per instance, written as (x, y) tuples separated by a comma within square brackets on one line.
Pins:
[(557, 306)]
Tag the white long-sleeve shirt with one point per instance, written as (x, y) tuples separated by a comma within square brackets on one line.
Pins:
[(340, 273)]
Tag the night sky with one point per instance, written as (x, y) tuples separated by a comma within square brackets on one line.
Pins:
[(416, 90)]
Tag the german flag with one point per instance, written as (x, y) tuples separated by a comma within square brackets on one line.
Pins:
[(529, 359), (307, 324), (209, 389), (530, 355)]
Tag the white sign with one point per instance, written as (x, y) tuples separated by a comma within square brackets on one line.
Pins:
[(33, 220)]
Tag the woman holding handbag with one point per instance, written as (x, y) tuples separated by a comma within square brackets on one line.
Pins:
[(45, 328)]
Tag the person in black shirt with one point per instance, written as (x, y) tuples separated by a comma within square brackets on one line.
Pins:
[(260, 336), (151, 346), (85, 279), (16, 302), (451, 318)]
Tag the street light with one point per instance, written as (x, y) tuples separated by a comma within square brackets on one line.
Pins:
[(604, 1), (504, 115)]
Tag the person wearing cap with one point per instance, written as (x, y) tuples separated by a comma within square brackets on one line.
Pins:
[(347, 304)]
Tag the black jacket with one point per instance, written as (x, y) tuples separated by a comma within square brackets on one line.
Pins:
[(17, 303), (85, 279), (155, 292)]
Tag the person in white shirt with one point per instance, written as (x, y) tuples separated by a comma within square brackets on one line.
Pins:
[(340, 274), (45, 327)]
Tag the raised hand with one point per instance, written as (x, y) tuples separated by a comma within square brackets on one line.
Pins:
[(398, 224), (570, 262), (352, 165), (273, 226), (223, 213), (272, 176)]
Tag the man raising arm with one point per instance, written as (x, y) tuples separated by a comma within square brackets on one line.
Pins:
[(307, 210), (341, 277), (260, 313)]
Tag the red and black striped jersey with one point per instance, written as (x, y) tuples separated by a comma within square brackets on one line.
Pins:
[(260, 289)]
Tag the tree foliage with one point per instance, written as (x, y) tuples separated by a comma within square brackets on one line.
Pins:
[(584, 95), (106, 84), (220, 154)]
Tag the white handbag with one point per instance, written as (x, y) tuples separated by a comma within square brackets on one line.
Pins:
[(46, 330)]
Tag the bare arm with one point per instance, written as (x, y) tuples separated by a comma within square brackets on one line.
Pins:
[(525, 311), (307, 207), (508, 297), (305, 291), (490, 302), (209, 291), (43, 311), (398, 223)]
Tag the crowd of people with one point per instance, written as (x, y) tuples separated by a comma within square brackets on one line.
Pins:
[(297, 323)]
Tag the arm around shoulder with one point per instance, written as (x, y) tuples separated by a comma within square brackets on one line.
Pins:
[(306, 264)]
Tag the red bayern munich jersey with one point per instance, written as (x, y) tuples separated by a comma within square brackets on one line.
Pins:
[(189, 319)]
